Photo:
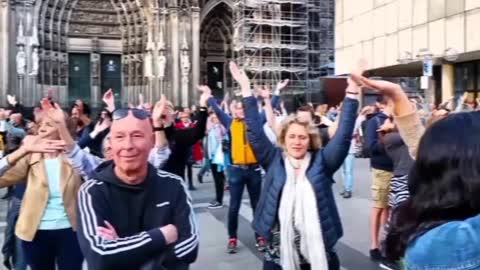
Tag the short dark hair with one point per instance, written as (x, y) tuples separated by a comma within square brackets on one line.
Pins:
[(382, 100), (307, 108)]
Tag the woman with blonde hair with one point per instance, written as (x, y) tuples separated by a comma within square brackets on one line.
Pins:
[(297, 214), (47, 221)]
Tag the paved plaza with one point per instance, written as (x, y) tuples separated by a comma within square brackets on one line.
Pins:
[(352, 249)]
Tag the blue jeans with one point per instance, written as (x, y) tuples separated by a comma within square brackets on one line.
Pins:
[(238, 179), (20, 261), (206, 167), (347, 172), (12, 245)]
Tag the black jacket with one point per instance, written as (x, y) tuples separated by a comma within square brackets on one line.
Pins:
[(136, 212), (181, 141), (378, 156)]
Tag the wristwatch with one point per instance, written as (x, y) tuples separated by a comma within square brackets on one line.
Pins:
[(162, 128)]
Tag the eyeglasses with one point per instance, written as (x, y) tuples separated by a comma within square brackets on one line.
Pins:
[(137, 113)]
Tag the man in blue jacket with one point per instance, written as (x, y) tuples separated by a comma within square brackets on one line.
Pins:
[(132, 216), (382, 168)]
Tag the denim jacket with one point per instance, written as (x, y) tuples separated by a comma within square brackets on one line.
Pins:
[(452, 246)]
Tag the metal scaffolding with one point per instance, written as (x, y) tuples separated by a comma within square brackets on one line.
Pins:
[(279, 39), (270, 43)]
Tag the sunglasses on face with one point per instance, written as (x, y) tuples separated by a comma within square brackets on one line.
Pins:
[(137, 113)]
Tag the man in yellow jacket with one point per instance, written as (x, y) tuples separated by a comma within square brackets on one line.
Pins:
[(244, 170)]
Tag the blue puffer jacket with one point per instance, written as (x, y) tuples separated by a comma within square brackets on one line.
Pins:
[(323, 165)]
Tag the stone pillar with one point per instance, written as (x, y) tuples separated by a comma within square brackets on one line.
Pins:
[(175, 52), (448, 82), (195, 54), (95, 91), (4, 47), (430, 91)]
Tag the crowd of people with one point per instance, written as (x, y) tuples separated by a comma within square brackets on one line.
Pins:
[(114, 191)]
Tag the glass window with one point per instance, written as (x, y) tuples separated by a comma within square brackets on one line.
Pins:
[(470, 76), (477, 86), (460, 85)]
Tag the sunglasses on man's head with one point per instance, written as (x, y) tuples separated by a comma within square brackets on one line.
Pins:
[(137, 113)]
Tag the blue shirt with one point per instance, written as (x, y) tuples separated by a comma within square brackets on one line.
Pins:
[(54, 217)]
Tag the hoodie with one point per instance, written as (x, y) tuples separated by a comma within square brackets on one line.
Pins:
[(137, 212)]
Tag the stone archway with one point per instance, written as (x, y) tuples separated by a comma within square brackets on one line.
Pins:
[(216, 45), (147, 35), (90, 26), (48, 31)]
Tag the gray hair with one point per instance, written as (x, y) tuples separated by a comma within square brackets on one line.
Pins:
[(104, 142)]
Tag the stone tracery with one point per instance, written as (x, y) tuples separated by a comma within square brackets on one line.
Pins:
[(112, 26)]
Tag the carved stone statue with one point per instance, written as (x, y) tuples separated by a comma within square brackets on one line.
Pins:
[(147, 65), (35, 62), (185, 63), (161, 62), (20, 34), (95, 69), (63, 69), (185, 82), (21, 61)]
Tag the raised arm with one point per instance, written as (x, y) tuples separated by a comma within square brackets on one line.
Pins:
[(273, 101), (263, 148), (224, 118), (271, 121), (336, 150), (109, 99), (192, 135), (82, 162), (161, 152), (17, 132), (407, 119), (159, 156), (14, 167)]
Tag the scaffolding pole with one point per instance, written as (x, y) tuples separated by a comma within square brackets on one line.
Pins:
[(270, 41)]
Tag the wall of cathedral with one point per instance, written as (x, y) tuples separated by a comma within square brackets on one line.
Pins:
[(159, 47)]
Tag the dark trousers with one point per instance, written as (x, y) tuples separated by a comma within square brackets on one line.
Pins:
[(50, 247), (332, 257), (219, 179), (240, 177), (188, 166)]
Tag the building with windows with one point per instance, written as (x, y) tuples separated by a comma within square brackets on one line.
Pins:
[(396, 36)]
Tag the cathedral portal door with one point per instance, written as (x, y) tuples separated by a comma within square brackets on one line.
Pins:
[(79, 79), (111, 75)]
